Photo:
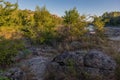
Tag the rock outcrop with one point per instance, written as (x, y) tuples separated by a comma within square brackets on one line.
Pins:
[(113, 33), (37, 66), (31, 69), (80, 65)]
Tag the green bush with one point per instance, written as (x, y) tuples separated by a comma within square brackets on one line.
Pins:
[(4, 78), (8, 49), (38, 36)]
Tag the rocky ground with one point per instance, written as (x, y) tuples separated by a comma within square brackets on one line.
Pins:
[(77, 65), (113, 33), (33, 66), (80, 65), (42, 62)]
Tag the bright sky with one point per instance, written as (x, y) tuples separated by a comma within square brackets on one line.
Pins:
[(58, 7)]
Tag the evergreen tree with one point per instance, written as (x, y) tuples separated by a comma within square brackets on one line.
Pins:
[(75, 23), (6, 9), (98, 23)]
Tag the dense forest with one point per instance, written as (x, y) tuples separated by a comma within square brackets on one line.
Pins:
[(42, 27)]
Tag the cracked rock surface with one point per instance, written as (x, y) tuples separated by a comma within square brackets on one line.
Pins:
[(92, 65)]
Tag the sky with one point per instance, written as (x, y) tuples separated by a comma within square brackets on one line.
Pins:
[(87, 7)]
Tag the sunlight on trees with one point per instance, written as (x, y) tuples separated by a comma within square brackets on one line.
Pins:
[(75, 22), (42, 26), (98, 23)]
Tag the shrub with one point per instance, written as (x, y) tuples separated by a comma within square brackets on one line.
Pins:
[(10, 32), (75, 24), (8, 49), (38, 36), (4, 78)]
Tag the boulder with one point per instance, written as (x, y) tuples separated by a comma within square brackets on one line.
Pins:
[(37, 65), (81, 65), (97, 59)]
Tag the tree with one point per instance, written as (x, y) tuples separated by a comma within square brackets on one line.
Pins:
[(99, 24), (25, 17), (43, 30), (111, 18), (71, 17), (42, 17), (6, 9), (75, 23)]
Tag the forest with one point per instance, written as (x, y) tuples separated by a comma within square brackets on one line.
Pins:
[(19, 28)]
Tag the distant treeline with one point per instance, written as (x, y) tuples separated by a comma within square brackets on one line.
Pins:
[(111, 19)]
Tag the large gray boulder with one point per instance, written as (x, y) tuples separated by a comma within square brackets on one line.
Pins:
[(30, 69), (37, 65), (96, 59), (81, 65)]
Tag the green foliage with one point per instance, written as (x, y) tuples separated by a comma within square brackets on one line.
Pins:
[(4, 78), (8, 49), (40, 26), (99, 24), (43, 30), (11, 16), (42, 17), (71, 17), (6, 9), (111, 19), (25, 17), (39, 37), (75, 23)]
